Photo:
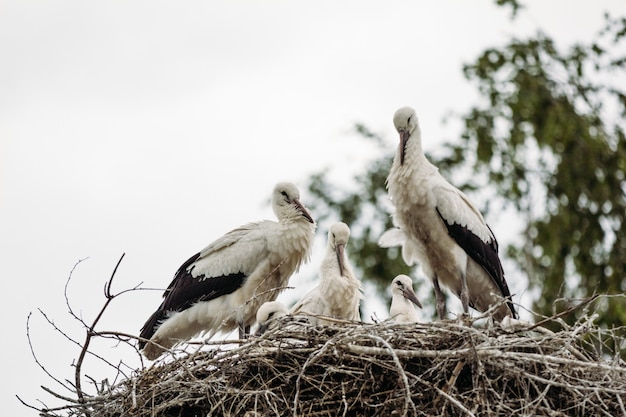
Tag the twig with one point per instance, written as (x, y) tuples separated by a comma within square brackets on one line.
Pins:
[(405, 381), (570, 310), (34, 355), (91, 333), (451, 380)]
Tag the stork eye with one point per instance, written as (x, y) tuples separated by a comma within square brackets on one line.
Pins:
[(269, 316), (284, 194)]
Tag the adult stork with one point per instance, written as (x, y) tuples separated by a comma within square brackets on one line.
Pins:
[(441, 229), (268, 314), (403, 300), (338, 293), (221, 287)]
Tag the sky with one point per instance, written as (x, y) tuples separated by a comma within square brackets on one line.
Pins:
[(151, 128)]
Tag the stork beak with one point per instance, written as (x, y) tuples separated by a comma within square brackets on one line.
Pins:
[(410, 295), (262, 328), (339, 250), (404, 138), (302, 210)]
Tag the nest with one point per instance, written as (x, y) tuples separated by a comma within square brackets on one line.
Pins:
[(444, 368)]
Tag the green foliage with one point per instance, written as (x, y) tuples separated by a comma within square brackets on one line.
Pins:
[(513, 4), (549, 137)]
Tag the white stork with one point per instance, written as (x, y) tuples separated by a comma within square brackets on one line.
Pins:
[(403, 300), (441, 229), (221, 287), (268, 314), (338, 293)]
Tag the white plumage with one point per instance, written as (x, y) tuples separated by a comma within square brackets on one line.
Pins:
[(221, 287), (268, 314), (338, 293), (403, 300), (441, 229)]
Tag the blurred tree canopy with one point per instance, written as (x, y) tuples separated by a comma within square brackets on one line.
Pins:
[(548, 139)]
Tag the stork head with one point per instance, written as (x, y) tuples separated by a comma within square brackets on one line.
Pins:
[(406, 123), (338, 237), (402, 285), (268, 312), (286, 203)]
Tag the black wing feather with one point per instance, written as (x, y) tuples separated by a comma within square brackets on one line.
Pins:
[(484, 253), (185, 290)]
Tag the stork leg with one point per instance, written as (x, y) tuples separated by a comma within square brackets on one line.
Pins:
[(244, 331), (464, 296), (441, 299)]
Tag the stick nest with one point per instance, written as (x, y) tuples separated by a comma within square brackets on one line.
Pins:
[(444, 368)]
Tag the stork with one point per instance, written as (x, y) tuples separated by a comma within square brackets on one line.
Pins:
[(268, 314), (338, 293), (439, 227), (221, 287), (403, 300)]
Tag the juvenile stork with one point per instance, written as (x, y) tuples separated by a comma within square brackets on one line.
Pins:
[(268, 315), (441, 229), (338, 293), (403, 300), (221, 287)]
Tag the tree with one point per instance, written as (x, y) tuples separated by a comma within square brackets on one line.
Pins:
[(548, 138)]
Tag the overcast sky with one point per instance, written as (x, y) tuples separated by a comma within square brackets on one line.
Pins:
[(153, 127)]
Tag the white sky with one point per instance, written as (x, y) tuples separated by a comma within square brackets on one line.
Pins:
[(153, 127)]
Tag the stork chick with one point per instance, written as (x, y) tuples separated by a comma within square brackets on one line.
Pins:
[(338, 293), (268, 314), (403, 300)]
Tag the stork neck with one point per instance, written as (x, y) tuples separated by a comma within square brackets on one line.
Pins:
[(295, 236), (293, 217), (413, 156)]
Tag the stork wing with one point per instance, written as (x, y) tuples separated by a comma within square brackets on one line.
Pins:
[(467, 227), (240, 250), (311, 303), (392, 237), (412, 251), (219, 269)]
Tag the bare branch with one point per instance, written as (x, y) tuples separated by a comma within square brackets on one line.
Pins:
[(91, 333)]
